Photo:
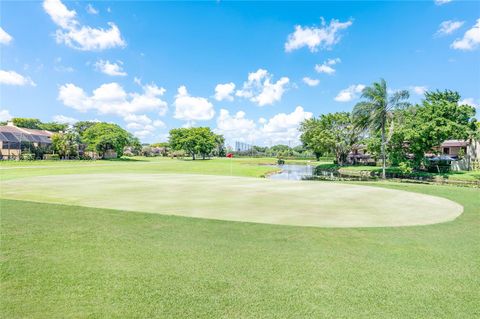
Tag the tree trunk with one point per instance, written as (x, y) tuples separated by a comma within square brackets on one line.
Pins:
[(383, 150), (193, 156)]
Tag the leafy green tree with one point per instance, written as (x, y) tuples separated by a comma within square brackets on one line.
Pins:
[(36, 124), (101, 137), (53, 126), (260, 149), (333, 133), (395, 147), (82, 126), (279, 148), (376, 109), (310, 129), (160, 144), (437, 119), (134, 144), (194, 140), (27, 122), (66, 144), (207, 140), (299, 149), (219, 150), (182, 139)]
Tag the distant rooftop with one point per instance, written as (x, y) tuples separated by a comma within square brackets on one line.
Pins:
[(12, 133), (454, 143)]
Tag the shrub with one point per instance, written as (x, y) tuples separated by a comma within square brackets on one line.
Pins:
[(178, 154), (27, 157), (405, 168), (128, 152), (439, 167), (476, 165), (52, 157), (280, 161)]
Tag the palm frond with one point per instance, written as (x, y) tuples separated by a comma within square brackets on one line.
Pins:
[(397, 100)]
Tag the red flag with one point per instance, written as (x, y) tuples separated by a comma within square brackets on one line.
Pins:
[(229, 155)]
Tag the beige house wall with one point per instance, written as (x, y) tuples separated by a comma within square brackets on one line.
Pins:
[(6, 153), (471, 161), (452, 150)]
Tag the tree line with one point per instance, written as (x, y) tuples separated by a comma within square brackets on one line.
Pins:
[(390, 127), (36, 124), (82, 137), (98, 137)]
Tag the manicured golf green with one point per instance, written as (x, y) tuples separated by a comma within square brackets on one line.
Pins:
[(70, 261), (239, 199)]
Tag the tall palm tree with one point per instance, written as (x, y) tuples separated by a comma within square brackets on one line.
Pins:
[(378, 106)]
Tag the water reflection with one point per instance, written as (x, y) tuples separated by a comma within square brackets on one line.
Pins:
[(293, 172)]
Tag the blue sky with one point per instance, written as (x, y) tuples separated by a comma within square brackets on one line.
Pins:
[(251, 71)]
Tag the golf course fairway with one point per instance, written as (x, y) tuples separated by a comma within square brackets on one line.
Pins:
[(243, 199)]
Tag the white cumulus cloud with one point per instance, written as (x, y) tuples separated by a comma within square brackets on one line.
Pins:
[(448, 27), (283, 121), (310, 82), (324, 36), (469, 101), (5, 38), (110, 68), (282, 128), (90, 9), (111, 98), (5, 115), (470, 40), (134, 118), (236, 126), (441, 2), (64, 119), (141, 125), (59, 67), (14, 78), (350, 93), (419, 90), (260, 89), (224, 91), (191, 108), (78, 36), (327, 66)]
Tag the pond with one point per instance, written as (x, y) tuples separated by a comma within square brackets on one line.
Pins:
[(293, 172), (306, 172)]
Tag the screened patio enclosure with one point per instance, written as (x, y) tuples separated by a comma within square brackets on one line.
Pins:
[(15, 141)]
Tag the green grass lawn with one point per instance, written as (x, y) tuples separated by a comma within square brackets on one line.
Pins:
[(221, 166), (74, 262)]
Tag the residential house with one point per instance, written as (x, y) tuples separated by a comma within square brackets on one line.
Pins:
[(453, 148), (14, 139), (464, 154), (359, 155)]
